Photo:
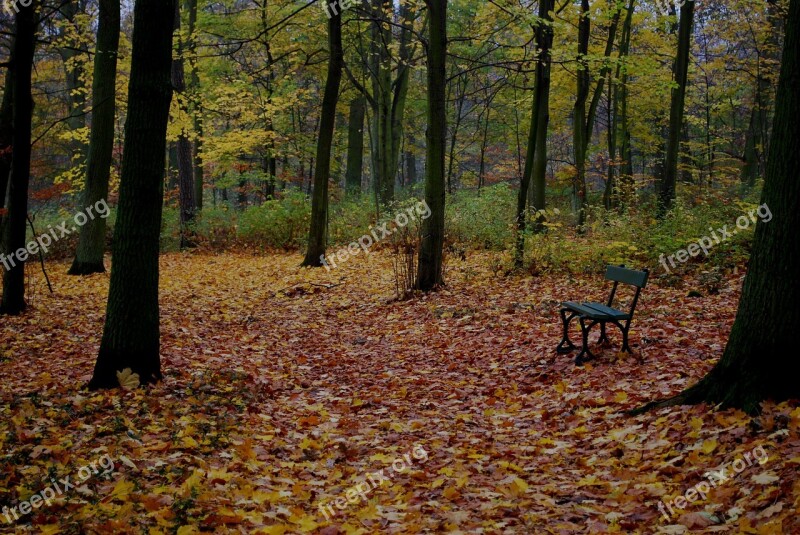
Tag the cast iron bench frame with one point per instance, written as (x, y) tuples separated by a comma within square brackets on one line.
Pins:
[(590, 314)]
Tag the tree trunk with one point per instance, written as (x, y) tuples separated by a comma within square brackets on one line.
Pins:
[(74, 76), (131, 332), (186, 184), (355, 146), (429, 273), (92, 238), (580, 135), (532, 186), (194, 94), (757, 362), (758, 129), (6, 139), (22, 65), (666, 193), (317, 236)]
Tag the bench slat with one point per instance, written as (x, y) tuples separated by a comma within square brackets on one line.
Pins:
[(584, 310), (612, 312), (626, 276)]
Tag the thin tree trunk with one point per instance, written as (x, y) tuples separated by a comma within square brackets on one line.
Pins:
[(317, 237), (92, 238), (131, 332), (13, 301), (666, 193), (186, 183), (532, 187), (756, 364), (355, 145), (194, 94), (429, 272), (74, 77), (580, 135)]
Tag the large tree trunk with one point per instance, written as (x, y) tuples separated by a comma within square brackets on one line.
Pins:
[(317, 236), (22, 64), (92, 238), (355, 146), (186, 184), (532, 186), (669, 176), (429, 273), (758, 360), (131, 332)]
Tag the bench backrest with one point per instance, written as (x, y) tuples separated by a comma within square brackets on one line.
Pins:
[(627, 276)]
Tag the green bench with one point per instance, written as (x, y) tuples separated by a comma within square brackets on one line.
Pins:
[(590, 314)]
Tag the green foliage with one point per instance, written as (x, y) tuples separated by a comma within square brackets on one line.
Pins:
[(482, 219), (278, 224)]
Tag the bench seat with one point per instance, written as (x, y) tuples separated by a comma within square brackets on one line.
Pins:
[(596, 311)]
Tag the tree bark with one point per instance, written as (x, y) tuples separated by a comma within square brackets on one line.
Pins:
[(186, 184), (757, 361), (74, 72), (92, 238), (6, 138), (194, 94), (13, 301), (532, 186), (669, 177), (131, 331), (429, 272), (317, 237), (580, 135)]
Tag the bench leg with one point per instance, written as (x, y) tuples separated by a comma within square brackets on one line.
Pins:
[(585, 354), (566, 346), (603, 336), (625, 346)]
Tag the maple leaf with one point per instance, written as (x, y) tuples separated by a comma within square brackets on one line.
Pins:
[(127, 379)]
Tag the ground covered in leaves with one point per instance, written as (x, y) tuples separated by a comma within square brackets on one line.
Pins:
[(300, 400)]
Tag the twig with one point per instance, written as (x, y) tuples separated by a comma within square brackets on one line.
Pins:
[(41, 256)]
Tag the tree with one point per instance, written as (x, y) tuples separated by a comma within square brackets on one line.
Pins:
[(583, 119), (6, 138), (131, 331), (317, 236), (619, 135), (757, 359), (92, 238), (429, 272), (73, 57), (536, 156), (355, 145), (22, 66), (669, 176), (186, 184)]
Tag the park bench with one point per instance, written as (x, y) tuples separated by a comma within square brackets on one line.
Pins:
[(590, 314)]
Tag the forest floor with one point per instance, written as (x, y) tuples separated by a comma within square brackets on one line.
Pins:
[(291, 395)]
